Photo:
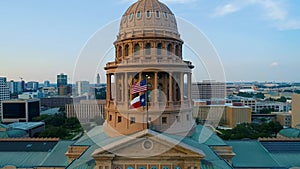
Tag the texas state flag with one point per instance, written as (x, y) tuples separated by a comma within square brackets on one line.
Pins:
[(138, 101)]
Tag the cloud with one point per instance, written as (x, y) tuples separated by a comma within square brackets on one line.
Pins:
[(272, 10), (274, 64)]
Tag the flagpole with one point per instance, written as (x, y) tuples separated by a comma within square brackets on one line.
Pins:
[(147, 114)]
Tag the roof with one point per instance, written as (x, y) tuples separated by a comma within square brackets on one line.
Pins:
[(290, 133), (285, 152), (251, 154), (196, 142), (40, 154), (25, 125), (50, 111)]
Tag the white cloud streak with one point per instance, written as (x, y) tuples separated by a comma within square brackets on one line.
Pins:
[(273, 10)]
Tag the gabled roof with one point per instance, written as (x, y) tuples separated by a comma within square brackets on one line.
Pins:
[(152, 135), (97, 138)]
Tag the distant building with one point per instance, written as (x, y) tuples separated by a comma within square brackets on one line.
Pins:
[(285, 119), (4, 92), (31, 128), (208, 90), (32, 86), (31, 95), (15, 87), (295, 110), (46, 83), (49, 91), (82, 87), (98, 79), (86, 110), (62, 84), (60, 101), (20, 110), (227, 115)]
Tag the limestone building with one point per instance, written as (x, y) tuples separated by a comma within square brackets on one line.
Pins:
[(160, 132)]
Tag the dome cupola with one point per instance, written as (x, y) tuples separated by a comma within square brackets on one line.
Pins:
[(148, 18)]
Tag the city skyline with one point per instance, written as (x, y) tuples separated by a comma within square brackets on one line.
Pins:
[(255, 40)]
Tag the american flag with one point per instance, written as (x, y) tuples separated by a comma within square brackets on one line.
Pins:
[(139, 87)]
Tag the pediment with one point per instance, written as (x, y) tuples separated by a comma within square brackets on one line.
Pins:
[(148, 143)]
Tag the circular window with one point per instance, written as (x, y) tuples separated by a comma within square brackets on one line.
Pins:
[(152, 167), (129, 167), (142, 167), (177, 167), (165, 168), (147, 145)]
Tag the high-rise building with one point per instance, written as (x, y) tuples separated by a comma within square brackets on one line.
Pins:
[(4, 92), (62, 84), (33, 86), (295, 110), (15, 87), (98, 79), (208, 89), (46, 83), (82, 87)]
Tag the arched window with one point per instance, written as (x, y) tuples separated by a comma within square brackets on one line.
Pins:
[(120, 51), (137, 49), (138, 14), (169, 49), (158, 50), (157, 14), (148, 14), (177, 52), (148, 49), (126, 50)]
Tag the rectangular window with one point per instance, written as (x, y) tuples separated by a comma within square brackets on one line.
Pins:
[(164, 120), (132, 120), (119, 119), (178, 118), (187, 117), (110, 117)]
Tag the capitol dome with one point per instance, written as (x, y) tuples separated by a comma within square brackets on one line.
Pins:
[(148, 18)]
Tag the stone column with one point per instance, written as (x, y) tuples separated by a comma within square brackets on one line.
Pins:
[(189, 81), (126, 90), (181, 85), (170, 88), (108, 82), (155, 88)]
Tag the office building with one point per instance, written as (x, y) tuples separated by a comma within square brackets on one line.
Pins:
[(15, 87), (98, 79), (20, 110), (208, 89), (295, 110), (284, 118), (82, 87), (32, 86), (87, 110), (62, 84), (46, 83), (4, 92), (226, 115)]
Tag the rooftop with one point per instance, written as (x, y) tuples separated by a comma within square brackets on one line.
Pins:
[(25, 125)]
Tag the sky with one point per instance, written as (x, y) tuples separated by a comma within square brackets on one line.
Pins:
[(256, 40)]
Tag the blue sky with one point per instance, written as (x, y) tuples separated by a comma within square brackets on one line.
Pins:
[(257, 40)]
